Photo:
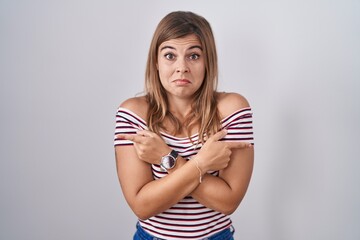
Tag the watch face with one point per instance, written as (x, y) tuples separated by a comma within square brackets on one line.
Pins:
[(168, 162)]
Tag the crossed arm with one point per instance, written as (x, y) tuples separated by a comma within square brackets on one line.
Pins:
[(147, 197)]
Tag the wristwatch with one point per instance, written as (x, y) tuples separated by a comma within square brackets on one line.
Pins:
[(169, 161)]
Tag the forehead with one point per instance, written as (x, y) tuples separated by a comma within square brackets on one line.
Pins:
[(184, 42)]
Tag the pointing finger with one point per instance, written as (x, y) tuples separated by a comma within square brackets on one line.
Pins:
[(219, 135), (238, 145), (145, 133), (130, 137)]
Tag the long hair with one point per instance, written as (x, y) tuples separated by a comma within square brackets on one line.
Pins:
[(204, 112)]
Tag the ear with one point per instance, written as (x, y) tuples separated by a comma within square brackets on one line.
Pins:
[(157, 66)]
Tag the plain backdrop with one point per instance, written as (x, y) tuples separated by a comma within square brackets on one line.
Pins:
[(65, 66)]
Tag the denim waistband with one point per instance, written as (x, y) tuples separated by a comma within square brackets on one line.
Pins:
[(226, 234)]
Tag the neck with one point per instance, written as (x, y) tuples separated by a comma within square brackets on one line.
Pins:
[(180, 108)]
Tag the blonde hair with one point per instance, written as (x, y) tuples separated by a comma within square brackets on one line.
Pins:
[(204, 112)]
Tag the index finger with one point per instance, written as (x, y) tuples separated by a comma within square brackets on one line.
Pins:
[(130, 137), (219, 135), (238, 145), (145, 133)]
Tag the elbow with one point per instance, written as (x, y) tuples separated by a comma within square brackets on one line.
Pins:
[(229, 207), (142, 213), (143, 207), (228, 210), (143, 216)]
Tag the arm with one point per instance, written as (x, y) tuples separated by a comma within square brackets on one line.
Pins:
[(136, 151), (224, 193), (146, 196), (139, 188), (136, 179)]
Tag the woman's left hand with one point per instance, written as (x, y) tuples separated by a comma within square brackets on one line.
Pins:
[(149, 146)]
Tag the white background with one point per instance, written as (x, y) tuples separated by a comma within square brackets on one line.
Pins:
[(65, 66)]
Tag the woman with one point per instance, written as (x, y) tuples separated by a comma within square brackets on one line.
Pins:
[(184, 151)]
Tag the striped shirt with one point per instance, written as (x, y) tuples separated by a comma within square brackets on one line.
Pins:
[(188, 219)]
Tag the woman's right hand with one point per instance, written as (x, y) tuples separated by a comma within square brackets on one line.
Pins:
[(215, 154), (149, 146)]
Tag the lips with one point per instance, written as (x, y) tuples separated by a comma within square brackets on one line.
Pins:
[(182, 81)]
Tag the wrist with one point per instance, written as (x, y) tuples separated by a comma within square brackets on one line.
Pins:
[(163, 152), (201, 174), (200, 164), (168, 161)]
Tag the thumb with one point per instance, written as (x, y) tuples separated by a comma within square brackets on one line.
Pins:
[(144, 133), (219, 135), (238, 145)]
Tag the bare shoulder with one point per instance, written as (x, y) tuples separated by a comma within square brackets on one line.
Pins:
[(138, 105), (228, 103)]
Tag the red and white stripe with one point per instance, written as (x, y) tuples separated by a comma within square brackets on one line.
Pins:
[(188, 219)]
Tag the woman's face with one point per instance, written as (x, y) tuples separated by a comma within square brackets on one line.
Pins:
[(181, 66)]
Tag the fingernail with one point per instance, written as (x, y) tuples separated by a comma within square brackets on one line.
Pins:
[(119, 137)]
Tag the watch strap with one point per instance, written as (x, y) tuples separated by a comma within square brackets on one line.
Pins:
[(174, 154)]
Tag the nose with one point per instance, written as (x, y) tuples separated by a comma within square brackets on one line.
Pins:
[(182, 66)]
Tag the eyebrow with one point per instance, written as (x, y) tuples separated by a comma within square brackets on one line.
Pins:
[(170, 47)]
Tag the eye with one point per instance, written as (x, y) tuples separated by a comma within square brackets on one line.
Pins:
[(194, 56), (169, 56)]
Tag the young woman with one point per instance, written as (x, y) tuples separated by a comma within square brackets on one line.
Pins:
[(184, 151)]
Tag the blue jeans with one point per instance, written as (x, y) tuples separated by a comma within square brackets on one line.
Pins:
[(226, 234)]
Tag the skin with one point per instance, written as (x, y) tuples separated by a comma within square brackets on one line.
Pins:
[(181, 68)]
